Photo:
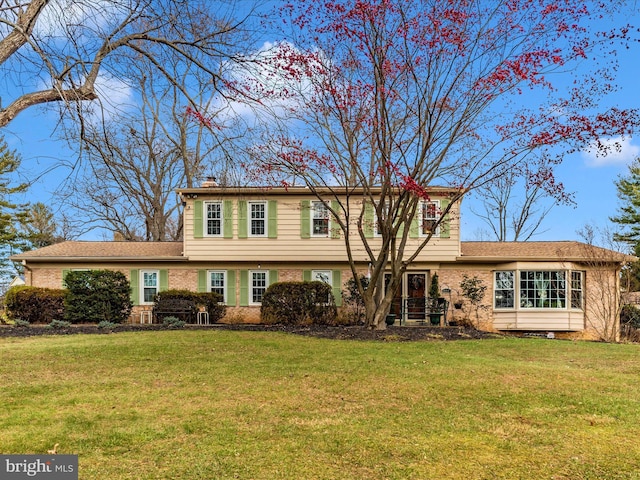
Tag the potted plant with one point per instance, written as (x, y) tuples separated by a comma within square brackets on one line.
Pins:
[(435, 305)]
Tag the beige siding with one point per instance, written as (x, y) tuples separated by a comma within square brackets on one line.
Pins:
[(289, 243), (539, 320)]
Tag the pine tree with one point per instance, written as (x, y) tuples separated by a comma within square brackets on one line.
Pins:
[(629, 212), (11, 214)]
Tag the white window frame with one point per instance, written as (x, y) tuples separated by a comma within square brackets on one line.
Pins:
[(376, 220), (206, 219), (325, 276), (253, 287), (315, 207), (143, 287), (542, 281), (503, 287), (264, 219), (423, 205), (224, 283)]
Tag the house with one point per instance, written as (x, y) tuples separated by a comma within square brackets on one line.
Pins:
[(238, 241)]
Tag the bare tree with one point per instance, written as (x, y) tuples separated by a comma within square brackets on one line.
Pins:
[(603, 283), (139, 156), (389, 98), (57, 51), (514, 208)]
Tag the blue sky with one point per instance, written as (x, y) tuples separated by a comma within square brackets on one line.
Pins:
[(591, 179)]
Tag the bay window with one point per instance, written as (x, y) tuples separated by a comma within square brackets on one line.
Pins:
[(548, 289)]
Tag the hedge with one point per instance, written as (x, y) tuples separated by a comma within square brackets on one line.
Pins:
[(299, 303), (35, 304)]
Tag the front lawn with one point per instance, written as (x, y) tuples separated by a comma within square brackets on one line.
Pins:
[(253, 405)]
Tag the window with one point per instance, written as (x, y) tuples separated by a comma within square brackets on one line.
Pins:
[(576, 289), (320, 219), (324, 276), (258, 219), (213, 219), (543, 289), (150, 285), (258, 286), (504, 289), (218, 283), (538, 289), (379, 220), (429, 218)]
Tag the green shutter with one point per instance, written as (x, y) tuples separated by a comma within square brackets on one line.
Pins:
[(231, 288), (445, 225), (305, 219), (337, 286), (164, 280), (306, 275), (414, 228), (228, 218), (244, 288), (273, 277), (197, 219), (368, 220), (242, 219), (202, 280), (272, 213), (134, 277), (335, 229), (64, 276)]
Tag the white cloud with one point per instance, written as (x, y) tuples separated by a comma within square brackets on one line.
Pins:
[(619, 151)]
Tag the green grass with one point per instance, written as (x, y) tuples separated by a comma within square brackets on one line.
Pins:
[(252, 405)]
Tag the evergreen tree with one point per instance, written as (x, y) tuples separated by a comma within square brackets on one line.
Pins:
[(11, 214), (628, 219), (629, 212)]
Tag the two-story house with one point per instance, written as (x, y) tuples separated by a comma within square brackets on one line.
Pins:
[(238, 241)]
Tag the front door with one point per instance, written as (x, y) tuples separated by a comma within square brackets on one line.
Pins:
[(409, 302)]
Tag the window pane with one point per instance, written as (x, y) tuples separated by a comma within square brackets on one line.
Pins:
[(429, 212), (542, 289), (504, 291), (214, 219), (150, 286), (320, 223), (216, 282), (258, 224), (576, 290), (258, 286)]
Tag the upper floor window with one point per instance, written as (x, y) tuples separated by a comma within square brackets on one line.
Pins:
[(319, 219), (150, 285), (429, 218), (214, 219), (258, 219)]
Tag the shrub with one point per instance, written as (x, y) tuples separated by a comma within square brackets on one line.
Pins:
[(294, 303), (353, 301), (106, 325), (185, 305), (97, 295), (173, 322), (59, 324), (34, 304), (21, 323)]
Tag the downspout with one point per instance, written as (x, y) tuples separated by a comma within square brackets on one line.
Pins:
[(27, 268)]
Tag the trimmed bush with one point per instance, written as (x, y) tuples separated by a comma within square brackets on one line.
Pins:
[(96, 296), (184, 305), (35, 304), (299, 303)]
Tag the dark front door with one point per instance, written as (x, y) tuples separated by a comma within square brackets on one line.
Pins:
[(416, 301)]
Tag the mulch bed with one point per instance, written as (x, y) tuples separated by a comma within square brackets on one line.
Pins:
[(391, 334)]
